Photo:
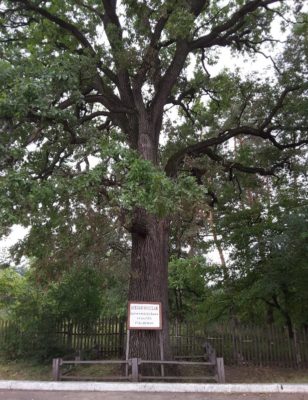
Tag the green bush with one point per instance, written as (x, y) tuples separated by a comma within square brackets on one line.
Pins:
[(36, 312)]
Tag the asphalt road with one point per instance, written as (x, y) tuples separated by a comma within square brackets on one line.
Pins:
[(57, 395)]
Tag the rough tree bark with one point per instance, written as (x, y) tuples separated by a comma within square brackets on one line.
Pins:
[(149, 279), (149, 258)]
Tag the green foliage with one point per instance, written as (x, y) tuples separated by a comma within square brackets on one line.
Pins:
[(11, 284), (180, 24), (185, 273), (77, 296), (187, 288), (147, 187), (36, 310), (144, 185), (31, 334), (268, 271)]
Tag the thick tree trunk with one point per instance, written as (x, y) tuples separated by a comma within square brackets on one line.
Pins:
[(149, 280), (149, 257)]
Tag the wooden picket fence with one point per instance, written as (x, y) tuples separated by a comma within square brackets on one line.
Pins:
[(105, 337), (244, 345), (240, 345)]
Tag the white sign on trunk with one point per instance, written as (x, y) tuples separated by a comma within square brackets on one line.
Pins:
[(144, 315)]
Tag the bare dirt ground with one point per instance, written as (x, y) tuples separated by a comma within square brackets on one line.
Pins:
[(39, 395)]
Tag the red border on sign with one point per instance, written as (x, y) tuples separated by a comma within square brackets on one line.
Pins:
[(142, 328)]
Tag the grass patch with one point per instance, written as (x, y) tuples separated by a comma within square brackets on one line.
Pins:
[(24, 370), (94, 371)]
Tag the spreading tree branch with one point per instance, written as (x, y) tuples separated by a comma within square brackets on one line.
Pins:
[(65, 25), (278, 105), (114, 34), (233, 24), (264, 131)]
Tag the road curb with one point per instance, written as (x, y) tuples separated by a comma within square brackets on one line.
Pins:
[(154, 387)]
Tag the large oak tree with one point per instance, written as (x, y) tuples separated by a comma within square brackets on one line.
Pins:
[(86, 92)]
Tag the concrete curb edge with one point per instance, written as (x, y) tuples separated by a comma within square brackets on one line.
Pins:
[(153, 387)]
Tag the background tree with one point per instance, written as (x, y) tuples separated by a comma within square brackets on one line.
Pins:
[(35, 309), (84, 91)]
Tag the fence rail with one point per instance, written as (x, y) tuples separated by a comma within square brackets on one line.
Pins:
[(240, 345), (135, 375)]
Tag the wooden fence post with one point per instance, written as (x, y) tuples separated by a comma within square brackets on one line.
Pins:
[(210, 352), (135, 373), (56, 362), (298, 357), (220, 370), (121, 337)]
